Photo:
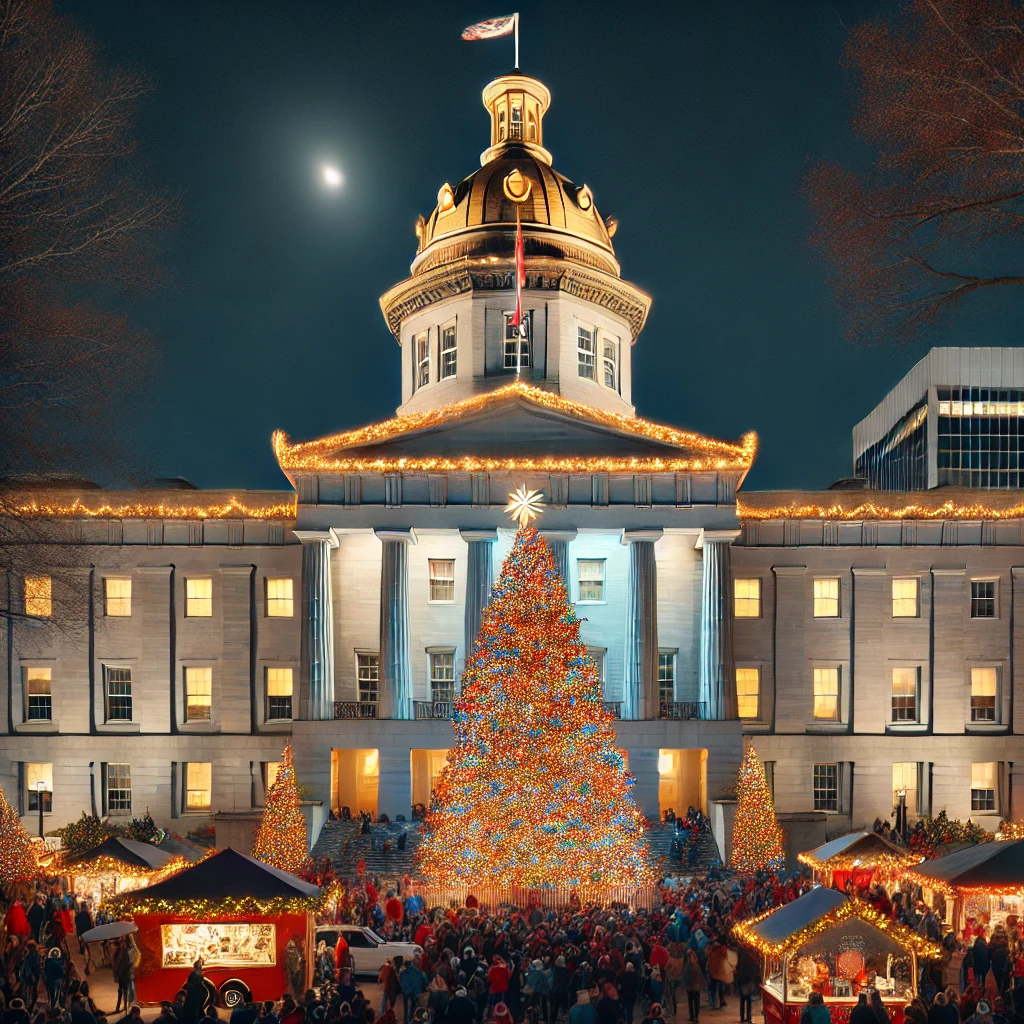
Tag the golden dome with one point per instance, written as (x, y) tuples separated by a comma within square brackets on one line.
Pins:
[(477, 217)]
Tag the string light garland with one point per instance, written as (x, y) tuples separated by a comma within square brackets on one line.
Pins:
[(281, 837), (233, 508), (534, 792), (852, 505), (107, 865), (321, 454), (227, 907), (756, 836), (18, 859), (1010, 830), (886, 864)]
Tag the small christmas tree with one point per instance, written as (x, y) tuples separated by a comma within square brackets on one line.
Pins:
[(281, 837), (756, 837), (17, 852), (535, 792)]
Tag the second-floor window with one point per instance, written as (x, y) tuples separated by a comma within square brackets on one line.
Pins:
[(36, 773), (280, 598), (984, 686), (904, 779), (39, 596), (904, 599), (38, 698), (119, 788), (442, 676), (199, 598), (826, 599), (518, 346), (119, 694), (610, 356), (368, 675), (422, 343), (904, 695), (586, 351), (442, 579), (826, 787), (198, 694), (748, 692), (983, 599), (279, 694), (666, 676), (826, 694), (198, 785), (118, 596), (591, 578), (449, 352), (984, 780), (746, 598)]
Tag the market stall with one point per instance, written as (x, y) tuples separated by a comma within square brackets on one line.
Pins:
[(828, 943), (983, 884), (116, 866), (864, 857), (251, 925)]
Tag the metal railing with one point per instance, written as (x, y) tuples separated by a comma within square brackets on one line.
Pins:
[(681, 710), (432, 709), (344, 709)]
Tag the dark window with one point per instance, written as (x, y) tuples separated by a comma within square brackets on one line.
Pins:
[(119, 694), (521, 340), (983, 599), (826, 787)]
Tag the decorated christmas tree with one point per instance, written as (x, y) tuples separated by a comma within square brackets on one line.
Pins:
[(281, 837), (756, 836), (534, 792), (17, 853)]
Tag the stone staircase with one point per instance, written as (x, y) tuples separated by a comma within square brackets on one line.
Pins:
[(660, 839)]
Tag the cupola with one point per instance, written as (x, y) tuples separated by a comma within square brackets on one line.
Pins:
[(517, 105)]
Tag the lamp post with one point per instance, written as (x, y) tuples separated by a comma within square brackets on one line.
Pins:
[(40, 790), (901, 813)]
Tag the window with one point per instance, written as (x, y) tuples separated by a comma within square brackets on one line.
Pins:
[(826, 599), (586, 350), (826, 694), (442, 676), (449, 354), (34, 774), (591, 578), (118, 595), (39, 596), (38, 699), (666, 676), (746, 599), (198, 598), (279, 694), (904, 599), (119, 694), (442, 579), (270, 770), (748, 692), (367, 674), (826, 787), (983, 785), (119, 788), (198, 694), (280, 598), (610, 350), (904, 695), (515, 122), (983, 599), (904, 777), (198, 785), (422, 343), (984, 684), (518, 345), (596, 655)]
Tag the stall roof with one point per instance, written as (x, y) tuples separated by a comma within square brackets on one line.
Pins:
[(793, 917), (857, 846), (996, 866), (127, 851)]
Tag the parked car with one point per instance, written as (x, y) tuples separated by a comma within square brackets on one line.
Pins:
[(367, 949)]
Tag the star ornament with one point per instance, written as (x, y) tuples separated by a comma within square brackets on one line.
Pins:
[(524, 505)]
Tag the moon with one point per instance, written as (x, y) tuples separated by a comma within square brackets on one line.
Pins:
[(331, 175)]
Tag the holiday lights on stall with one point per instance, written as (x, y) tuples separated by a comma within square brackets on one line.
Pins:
[(281, 838), (534, 792), (18, 861), (756, 836)]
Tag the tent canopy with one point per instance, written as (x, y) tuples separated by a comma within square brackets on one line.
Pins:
[(794, 917), (999, 865), (127, 851), (865, 847)]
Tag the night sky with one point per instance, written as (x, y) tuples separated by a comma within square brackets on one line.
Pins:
[(692, 122)]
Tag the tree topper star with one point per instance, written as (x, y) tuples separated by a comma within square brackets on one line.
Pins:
[(524, 505)]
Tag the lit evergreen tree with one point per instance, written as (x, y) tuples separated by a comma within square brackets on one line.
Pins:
[(756, 836), (281, 838), (18, 861)]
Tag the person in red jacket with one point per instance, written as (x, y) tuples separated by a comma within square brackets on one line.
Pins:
[(393, 909), (659, 955), (341, 955), (497, 978)]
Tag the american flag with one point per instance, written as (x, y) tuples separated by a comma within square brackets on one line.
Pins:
[(490, 29)]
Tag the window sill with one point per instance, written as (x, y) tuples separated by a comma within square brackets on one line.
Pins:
[(38, 725), (199, 727), (277, 725), (905, 727), (826, 727), (985, 728), (591, 602), (430, 601), (116, 727)]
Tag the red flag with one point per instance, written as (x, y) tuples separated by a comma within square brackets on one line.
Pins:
[(490, 29), (520, 273)]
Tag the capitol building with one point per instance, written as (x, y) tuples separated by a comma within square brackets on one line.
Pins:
[(161, 646)]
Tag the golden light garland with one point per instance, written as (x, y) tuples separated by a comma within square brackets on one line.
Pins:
[(320, 454), (233, 508), (852, 907), (953, 890), (887, 863), (1010, 830), (228, 906), (107, 865), (851, 505)]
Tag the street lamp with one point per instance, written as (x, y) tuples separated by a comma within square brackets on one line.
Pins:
[(40, 790), (901, 813)]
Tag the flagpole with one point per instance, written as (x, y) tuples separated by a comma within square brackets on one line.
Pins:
[(516, 23)]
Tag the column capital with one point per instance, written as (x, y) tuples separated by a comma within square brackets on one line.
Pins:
[(405, 535), (715, 537), (652, 534), (568, 535), (317, 536), (486, 536)]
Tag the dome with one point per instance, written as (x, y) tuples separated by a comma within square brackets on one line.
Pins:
[(559, 218)]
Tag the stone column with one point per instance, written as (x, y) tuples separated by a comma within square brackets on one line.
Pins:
[(717, 666), (318, 615), (640, 665), (479, 578), (395, 663), (559, 541)]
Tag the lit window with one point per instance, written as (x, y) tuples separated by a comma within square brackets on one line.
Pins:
[(591, 578), (666, 676), (983, 599), (449, 354), (904, 599), (368, 675), (746, 599), (983, 785), (118, 594), (38, 699), (904, 777), (198, 785), (280, 598), (518, 344), (586, 349), (826, 694), (596, 655), (39, 596), (198, 694), (826, 599), (270, 770), (748, 692), (515, 124), (904, 694), (34, 774), (984, 684), (279, 694), (610, 354), (442, 677), (422, 359), (119, 788), (442, 579), (198, 598), (826, 787), (119, 694)]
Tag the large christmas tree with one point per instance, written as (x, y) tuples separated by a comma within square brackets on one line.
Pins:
[(18, 861), (534, 793), (756, 836), (281, 837)]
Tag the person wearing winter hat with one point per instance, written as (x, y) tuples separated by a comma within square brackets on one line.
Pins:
[(501, 1013), (653, 1015)]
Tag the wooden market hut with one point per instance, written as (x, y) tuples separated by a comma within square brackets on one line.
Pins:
[(116, 866), (865, 857)]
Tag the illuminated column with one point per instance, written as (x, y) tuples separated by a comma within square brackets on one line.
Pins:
[(559, 541), (395, 668), (479, 577), (318, 614), (717, 671), (640, 675)]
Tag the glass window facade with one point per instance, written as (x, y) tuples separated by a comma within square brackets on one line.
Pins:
[(899, 461), (980, 437)]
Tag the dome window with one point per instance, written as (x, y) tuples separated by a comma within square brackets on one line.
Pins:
[(516, 187), (518, 346), (516, 120), (449, 353), (422, 351), (584, 198), (501, 125), (445, 198)]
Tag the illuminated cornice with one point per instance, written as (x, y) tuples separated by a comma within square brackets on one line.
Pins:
[(134, 505), (699, 453)]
